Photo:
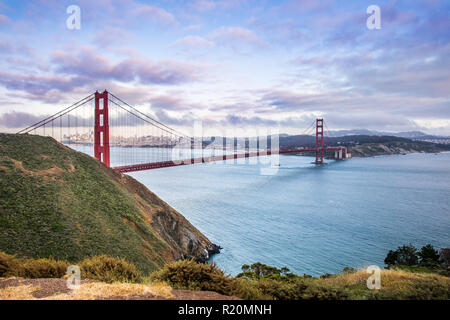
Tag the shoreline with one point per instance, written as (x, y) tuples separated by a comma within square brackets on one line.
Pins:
[(400, 154)]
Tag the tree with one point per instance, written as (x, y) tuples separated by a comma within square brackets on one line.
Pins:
[(428, 255), (284, 271), (405, 255), (259, 270), (348, 269), (391, 258)]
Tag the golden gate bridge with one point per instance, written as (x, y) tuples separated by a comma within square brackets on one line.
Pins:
[(114, 127)]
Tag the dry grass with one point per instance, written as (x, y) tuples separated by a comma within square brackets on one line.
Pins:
[(98, 290), (161, 289), (100, 268), (399, 282), (389, 278), (347, 279), (403, 280), (18, 293), (88, 291)]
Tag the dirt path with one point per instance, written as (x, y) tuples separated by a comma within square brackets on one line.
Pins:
[(25, 289)]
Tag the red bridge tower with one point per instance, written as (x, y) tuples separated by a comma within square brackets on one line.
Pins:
[(319, 141), (101, 128)]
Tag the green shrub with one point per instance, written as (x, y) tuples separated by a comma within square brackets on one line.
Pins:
[(300, 289), (10, 266), (279, 290), (191, 275), (248, 290), (108, 269), (429, 290), (348, 270), (44, 268), (188, 274), (317, 291)]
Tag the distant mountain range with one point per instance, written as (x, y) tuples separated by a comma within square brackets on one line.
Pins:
[(407, 134), (419, 135), (344, 137)]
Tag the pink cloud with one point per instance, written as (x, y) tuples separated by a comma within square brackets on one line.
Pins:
[(193, 42), (234, 35), (155, 13), (88, 63), (308, 5), (4, 19), (208, 5), (10, 45), (40, 87), (19, 119), (203, 5), (110, 36)]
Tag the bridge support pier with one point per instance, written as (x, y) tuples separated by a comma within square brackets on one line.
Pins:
[(101, 128), (338, 154)]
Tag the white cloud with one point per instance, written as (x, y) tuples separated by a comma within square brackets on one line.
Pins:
[(193, 42), (235, 36)]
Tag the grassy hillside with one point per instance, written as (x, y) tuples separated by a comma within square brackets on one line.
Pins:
[(58, 202), (394, 147)]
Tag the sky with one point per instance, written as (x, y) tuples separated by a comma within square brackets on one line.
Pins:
[(234, 64)]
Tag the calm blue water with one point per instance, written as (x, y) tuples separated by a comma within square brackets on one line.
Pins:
[(312, 219)]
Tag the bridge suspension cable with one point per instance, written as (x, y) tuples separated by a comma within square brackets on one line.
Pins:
[(169, 130), (150, 118), (310, 130), (61, 113)]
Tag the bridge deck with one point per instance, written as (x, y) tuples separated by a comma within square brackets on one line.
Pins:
[(174, 163)]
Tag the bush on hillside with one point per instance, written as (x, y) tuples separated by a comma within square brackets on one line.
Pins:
[(108, 269), (44, 268), (101, 268), (188, 274), (318, 291), (191, 275), (10, 266), (279, 290), (264, 283), (300, 289)]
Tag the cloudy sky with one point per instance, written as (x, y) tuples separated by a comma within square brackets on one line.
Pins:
[(232, 63)]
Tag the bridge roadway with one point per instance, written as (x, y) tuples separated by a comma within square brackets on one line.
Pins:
[(174, 163)]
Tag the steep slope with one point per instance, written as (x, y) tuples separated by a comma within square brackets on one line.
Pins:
[(57, 202)]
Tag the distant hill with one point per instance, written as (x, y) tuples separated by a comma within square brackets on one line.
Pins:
[(367, 145), (407, 134), (57, 202), (361, 145)]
